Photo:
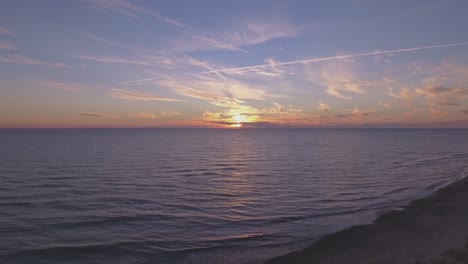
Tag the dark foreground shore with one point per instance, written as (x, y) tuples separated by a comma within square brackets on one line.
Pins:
[(429, 230)]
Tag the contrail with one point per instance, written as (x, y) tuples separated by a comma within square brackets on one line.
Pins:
[(139, 81), (260, 66)]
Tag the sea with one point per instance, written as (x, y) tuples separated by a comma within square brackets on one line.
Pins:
[(183, 196)]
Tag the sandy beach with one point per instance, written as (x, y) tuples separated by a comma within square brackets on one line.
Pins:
[(433, 229)]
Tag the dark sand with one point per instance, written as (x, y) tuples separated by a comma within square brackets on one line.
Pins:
[(429, 230)]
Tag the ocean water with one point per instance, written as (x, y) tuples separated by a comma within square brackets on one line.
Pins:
[(206, 195)]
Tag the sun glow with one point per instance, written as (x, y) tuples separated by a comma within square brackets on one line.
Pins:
[(238, 119)]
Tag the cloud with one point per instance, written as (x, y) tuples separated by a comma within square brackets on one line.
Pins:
[(128, 8), (443, 70), (92, 114), (384, 58), (273, 71), (244, 115), (73, 87), (336, 87), (442, 84), (465, 110), (19, 59), (108, 42), (356, 112), (322, 107), (435, 91), (217, 91), (4, 31), (338, 57), (58, 65), (404, 93), (143, 115), (279, 108), (196, 43), (147, 58), (170, 113), (454, 70), (139, 96), (6, 45), (437, 112), (242, 33), (384, 104), (338, 78), (139, 81), (116, 60)]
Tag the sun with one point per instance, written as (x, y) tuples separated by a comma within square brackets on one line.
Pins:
[(238, 120)]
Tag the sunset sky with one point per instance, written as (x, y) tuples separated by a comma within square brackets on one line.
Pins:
[(123, 63)]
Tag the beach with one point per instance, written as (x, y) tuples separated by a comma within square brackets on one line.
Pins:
[(433, 229)]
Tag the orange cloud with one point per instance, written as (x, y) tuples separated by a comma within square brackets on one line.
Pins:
[(322, 107), (143, 115)]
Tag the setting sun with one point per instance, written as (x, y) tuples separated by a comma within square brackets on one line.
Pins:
[(240, 119)]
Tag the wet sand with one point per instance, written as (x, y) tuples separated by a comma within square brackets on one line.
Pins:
[(429, 230)]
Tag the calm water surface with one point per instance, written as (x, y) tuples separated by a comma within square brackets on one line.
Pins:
[(206, 196)]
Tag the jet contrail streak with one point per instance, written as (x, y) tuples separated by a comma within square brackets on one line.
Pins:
[(260, 66), (139, 81)]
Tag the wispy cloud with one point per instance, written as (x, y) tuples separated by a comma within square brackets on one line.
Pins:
[(272, 71), (93, 114), (4, 31), (440, 92), (116, 60), (322, 107), (216, 91), (170, 113), (129, 8), (139, 96), (145, 80), (73, 87), (404, 94), (143, 115), (143, 58), (4, 45), (339, 57), (356, 113), (441, 85), (384, 104), (118, 44), (236, 37), (338, 78), (21, 59)]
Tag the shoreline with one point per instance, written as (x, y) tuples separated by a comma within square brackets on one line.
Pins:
[(433, 229)]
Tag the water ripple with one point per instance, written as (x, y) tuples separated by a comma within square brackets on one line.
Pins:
[(206, 196)]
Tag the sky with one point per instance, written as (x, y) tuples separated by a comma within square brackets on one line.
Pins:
[(233, 64)]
